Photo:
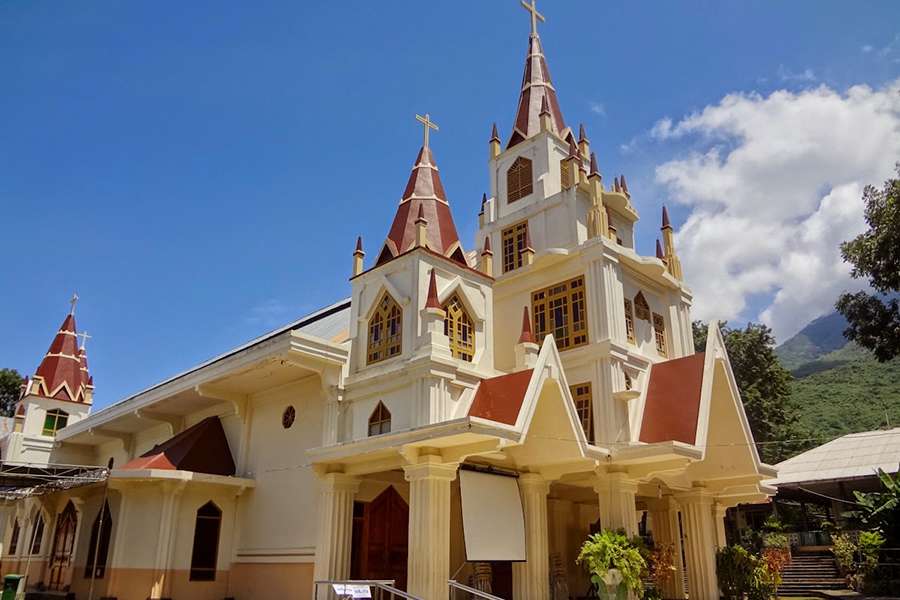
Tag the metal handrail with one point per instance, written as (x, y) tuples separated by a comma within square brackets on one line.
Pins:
[(382, 584), (470, 590)]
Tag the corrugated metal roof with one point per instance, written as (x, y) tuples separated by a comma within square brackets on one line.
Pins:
[(850, 456)]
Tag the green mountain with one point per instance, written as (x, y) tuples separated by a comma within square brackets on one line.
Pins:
[(839, 387)]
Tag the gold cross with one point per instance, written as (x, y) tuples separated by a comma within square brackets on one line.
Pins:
[(428, 124), (535, 15), (84, 338), (73, 302)]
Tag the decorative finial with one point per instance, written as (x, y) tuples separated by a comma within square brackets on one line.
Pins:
[(73, 302), (495, 135), (665, 218), (526, 337), (659, 250), (487, 246), (573, 148), (84, 338), (427, 124), (359, 249), (421, 216), (624, 185), (582, 136), (535, 15), (545, 107), (594, 169), (432, 300)]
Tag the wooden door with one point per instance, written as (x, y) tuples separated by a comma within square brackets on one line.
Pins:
[(380, 539), (63, 547)]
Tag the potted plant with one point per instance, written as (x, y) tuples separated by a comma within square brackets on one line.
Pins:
[(614, 563)]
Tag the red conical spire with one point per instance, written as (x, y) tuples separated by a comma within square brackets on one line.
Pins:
[(432, 300), (495, 135), (537, 89), (424, 195), (665, 218), (582, 136), (359, 246), (659, 250), (487, 246), (63, 372), (595, 170), (526, 337)]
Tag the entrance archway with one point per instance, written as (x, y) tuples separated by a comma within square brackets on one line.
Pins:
[(63, 547), (380, 538)]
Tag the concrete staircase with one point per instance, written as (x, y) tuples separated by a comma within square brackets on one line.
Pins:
[(809, 572)]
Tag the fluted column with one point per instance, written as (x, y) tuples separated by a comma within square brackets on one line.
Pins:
[(616, 492), (664, 523), (428, 563), (719, 520), (531, 579), (335, 528), (699, 544)]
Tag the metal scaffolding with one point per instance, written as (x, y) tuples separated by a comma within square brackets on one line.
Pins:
[(20, 480)]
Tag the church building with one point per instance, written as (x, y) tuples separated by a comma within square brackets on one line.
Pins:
[(379, 438)]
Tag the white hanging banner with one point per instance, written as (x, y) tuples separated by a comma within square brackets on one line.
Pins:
[(493, 521)]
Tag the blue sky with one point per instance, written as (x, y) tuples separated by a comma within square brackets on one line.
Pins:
[(199, 171)]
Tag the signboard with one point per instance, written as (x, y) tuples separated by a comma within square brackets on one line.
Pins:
[(493, 521), (352, 590)]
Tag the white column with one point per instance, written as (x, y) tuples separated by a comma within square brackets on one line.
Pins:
[(615, 493), (664, 524), (335, 528), (428, 564), (165, 543), (719, 520), (699, 544), (531, 579)]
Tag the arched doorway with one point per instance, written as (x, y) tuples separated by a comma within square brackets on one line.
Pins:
[(63, 547), (380, 538)]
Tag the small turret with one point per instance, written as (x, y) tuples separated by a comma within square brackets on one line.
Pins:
[(494, 143), (546, 119), (669, 256), (624, 186), (421, 228), (598, 223), (526, 348), (481, 213), (659, 251), (584, 144), (573, 165), (358, 256), (486, 264), (433, 315)]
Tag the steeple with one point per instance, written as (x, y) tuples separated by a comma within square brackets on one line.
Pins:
[(536, 85), (63, 373), (424, 198), (670, 257)]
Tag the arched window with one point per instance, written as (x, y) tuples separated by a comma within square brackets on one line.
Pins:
[(54, 421), (641, 308), (99, 548), (385, 330), (458, 327), (204, 556), (380, 420), (518, 180), (37, 535), (659, 332), (14, 538)]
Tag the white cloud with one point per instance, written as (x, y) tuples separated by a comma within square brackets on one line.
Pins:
[(867, 48), (598, 108), (785, 74), (773, 185)]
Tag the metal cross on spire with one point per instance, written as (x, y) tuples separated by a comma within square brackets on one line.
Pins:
[(535, 15), (73, 302), (428, 125), (84, 338)]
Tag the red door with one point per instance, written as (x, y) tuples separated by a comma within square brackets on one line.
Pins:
[(382, 537)]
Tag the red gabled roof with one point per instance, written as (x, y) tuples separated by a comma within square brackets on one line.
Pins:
[(672, 409), (202, 448), (63, 373), (536, 85), (500, 398), (424, 193)]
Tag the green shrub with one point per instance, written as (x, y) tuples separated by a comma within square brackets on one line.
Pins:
[(608, 550), (844, 549)]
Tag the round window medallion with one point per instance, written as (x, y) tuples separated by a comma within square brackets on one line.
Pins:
[(287, 419)]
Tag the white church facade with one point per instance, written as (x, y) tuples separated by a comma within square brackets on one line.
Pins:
[(552, 355)]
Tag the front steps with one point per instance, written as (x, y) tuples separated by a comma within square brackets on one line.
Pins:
[(810, 572)]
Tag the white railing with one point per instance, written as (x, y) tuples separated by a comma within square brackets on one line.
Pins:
[(385, 585), (455, 585)]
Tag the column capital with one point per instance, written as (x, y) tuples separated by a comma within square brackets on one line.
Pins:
[(430, 467), (339, 482), (604, 482), (664, 504), (534, 483), (696, 495)]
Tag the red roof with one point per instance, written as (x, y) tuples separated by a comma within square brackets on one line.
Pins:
[(424, 193), (500, 398), (673, 400), (536, 85), (63, 372), (202, 448)]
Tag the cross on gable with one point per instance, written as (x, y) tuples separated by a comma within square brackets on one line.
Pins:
[(428, 125), (535, 15), (84, 338)]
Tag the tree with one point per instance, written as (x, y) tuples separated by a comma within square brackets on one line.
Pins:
[(10, 384), (874, 319), (881, 510), (764, 386)]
